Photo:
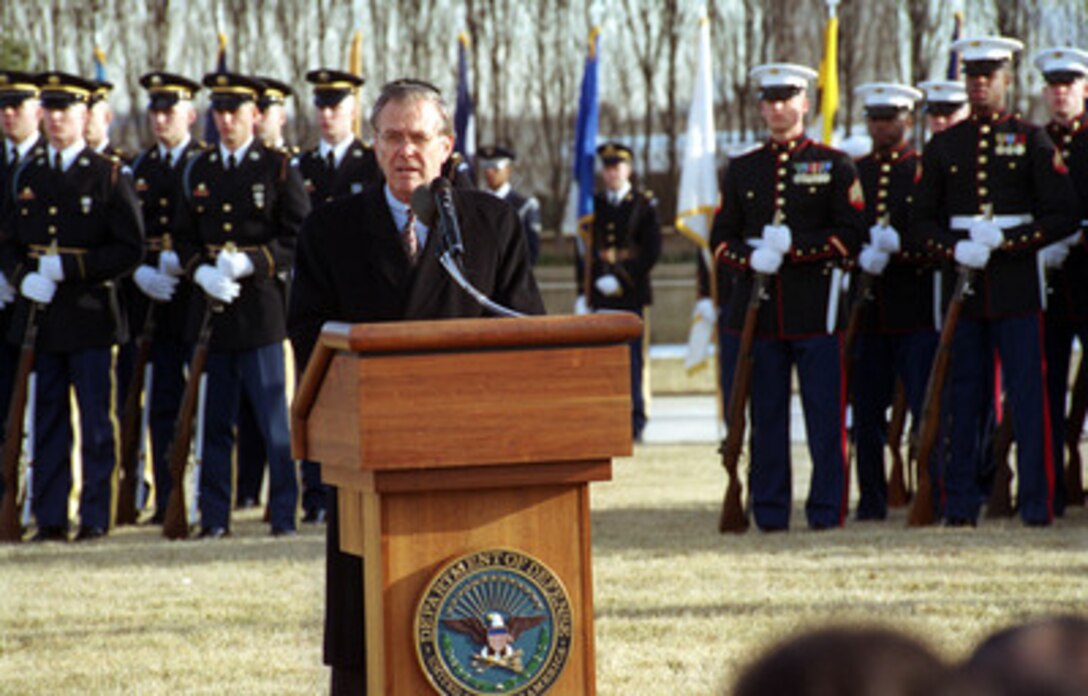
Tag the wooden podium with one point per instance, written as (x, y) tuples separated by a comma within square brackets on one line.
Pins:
[(452, 436)]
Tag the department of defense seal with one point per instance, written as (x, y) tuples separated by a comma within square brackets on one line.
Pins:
[(495, 621)]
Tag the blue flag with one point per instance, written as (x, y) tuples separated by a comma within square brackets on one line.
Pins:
[(585, 135), (953, 72), (211, 133), (464, 121), (99, 65)]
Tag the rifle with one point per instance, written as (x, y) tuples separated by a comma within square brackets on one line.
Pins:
[(853, 323), (898, 495), (132, 423), (999, 503), (175, 520), (733, 516), (10, 529), (921, 510), (1078, 407)]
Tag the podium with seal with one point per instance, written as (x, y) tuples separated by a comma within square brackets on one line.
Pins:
[(463, 450)]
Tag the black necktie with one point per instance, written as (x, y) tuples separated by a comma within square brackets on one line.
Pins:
[(230, 162), (57, 163), (330, 158), (168, 159)]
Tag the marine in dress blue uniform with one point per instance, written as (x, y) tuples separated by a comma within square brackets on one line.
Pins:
[(158, 285), (22, 115), (792, 210), (71, 229), (1065, 71), (624, 245), (994, 191), (898, 335), (241, 207), (945, 104), (496, 164)]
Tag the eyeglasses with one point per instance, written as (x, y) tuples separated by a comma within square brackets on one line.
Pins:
[(394, 139)]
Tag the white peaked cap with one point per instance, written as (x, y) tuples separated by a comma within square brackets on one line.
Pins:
[(1062, 59), (782, 75), (888, 94), (986, 48), (946, 91)]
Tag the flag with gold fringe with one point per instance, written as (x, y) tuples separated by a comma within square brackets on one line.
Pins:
[(585, 141)]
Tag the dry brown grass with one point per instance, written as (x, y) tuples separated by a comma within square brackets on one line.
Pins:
[(679, 607)]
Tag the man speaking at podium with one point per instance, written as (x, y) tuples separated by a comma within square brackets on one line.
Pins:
[(367, 258)]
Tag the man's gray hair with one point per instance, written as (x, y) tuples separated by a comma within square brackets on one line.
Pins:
[(407, 89)]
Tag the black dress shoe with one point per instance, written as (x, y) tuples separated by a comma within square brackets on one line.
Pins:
[(960, 522), (283, 532), (50, 534), (314, 516), (214, 532), (90, 533), (158, 518), (246, 503)]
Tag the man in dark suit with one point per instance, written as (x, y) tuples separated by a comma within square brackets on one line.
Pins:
[(157, 175), (70, 229), (365, 258), (240, 210)]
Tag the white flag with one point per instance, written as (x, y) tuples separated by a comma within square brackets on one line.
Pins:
[(698, 195)]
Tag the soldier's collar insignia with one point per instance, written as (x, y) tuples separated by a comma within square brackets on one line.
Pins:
[(493, 621)]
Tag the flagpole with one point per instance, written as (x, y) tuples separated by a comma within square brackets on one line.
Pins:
[(829, 72)]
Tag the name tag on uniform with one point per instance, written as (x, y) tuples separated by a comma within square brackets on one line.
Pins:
[(85, 204), (258, 195), (809, 173), (1011, 144)]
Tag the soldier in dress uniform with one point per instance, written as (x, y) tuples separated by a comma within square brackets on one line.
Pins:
[(237, 221), (994, 191), (70, 230), (945, 105), (158, 289), (1065, 71), (792, 212), (497, 164), (20, 121), (99, 118), (624, 245), (251, 458), (898, 336), (341, 164)]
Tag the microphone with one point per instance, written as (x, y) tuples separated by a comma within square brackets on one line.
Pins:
[(423, 205), (447, 216)]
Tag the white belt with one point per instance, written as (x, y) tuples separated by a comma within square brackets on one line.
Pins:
[(964, 222)]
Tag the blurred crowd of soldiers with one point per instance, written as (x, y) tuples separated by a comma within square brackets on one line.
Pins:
[(100, 251)]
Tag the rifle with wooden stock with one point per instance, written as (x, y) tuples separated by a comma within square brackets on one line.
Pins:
[(1074, 424), (733, 516), (10, 528), (921, 510), (132, 423), (898, 495), (175, 521), (999, 504)]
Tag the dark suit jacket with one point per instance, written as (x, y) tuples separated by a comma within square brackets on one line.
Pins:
[(351, 266)]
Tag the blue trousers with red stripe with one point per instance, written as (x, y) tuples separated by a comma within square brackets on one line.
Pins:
[(1059, 350), (819, 373), (1019, 343)]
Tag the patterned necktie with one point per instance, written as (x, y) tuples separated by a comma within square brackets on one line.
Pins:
[(408, 234)]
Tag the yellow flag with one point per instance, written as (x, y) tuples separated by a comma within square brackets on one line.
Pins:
[(829, 78)]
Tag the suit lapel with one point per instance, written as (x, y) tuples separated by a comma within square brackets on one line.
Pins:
[(386, 251)]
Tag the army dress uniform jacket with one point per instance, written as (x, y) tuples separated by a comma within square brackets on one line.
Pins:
[(903, 296), (817, 191), (357, 170), (351, 266), (259, 207), (158, 186), (1068, 292), (7, 171), (626, 242), (92, 213), (1011, 166)]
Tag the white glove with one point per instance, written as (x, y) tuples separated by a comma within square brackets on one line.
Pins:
[(609, 286), (234, 264), (704, 311), (872, 260), (38, 288), (972, 254), (1054, 255), (169, 263), (51, 267), (766, 260), (7, 293), (985, 232), (885, 239), (580, 305), (778, 237), (216, 284), (156, 285)]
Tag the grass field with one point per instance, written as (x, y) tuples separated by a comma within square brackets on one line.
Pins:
[(679, 608)]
